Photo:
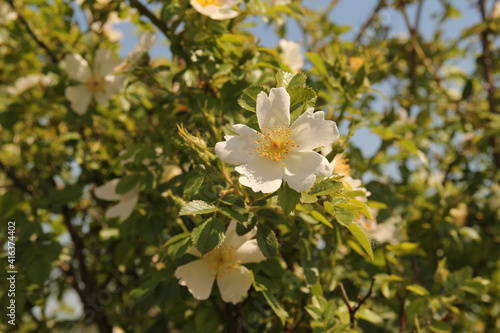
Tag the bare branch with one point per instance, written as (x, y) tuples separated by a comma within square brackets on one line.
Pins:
[(40, 43), (152, 17), (352, 310)]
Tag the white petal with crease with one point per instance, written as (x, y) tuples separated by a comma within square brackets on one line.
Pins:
[(77, 67), (311, 131), (261, 174), (108, 191), (300, 168), (80, 97), (196, 277), (273, 110), (234, 286), (238, 149), (249, 252)]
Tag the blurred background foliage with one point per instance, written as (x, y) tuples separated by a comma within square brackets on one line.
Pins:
[(434, 177)]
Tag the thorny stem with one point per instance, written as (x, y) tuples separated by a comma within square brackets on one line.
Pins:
[(353, 310)]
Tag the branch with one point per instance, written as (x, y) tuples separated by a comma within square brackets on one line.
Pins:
[(30, 31), (143, 10), (17, 181), (381, 4), (361, 300), (488, 76), (402, 313)]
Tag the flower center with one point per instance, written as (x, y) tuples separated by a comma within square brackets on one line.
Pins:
[(221, 260), (275, 143), (342, 166), (95, 83), (205, 3)]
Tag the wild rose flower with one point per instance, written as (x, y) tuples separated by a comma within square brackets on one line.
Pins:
[(216, 9), (224, 265), (127, 200), (98, 83), (280, 151), (290, 55)]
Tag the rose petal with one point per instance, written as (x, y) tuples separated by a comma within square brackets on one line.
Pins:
[(273, 110), (233, 286), (108, 191), (77, 67), (80, 97), (238, 149), (104, 63), (311, 131), (250, 252), (233, 239), (261, 174), (196, 277), (300, 169), (123, 209)]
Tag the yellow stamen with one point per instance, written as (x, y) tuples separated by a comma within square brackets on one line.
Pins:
[(95, 83), (341, 165), (205, 3), (221, 260), (275, 143)]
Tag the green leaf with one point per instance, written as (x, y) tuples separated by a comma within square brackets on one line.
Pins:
[(307, 198), (197, 207), (361, 237), (193, 185), (325, 187), (178, 245), (208, 235), (319, 217), (266, 239), (127, 183), (273, 302), (288, 199), (417, 289), (248, 99), (468, 89), (318, 63), (232, 214), (343, 215), (301, 99), (289, 80), (138, 294), (440, 327), (246, 227)]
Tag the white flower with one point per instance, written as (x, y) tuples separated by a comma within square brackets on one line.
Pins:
[(279, 151), (386, 232), (97, 83), (127, 201), (6, 13), (495, 13), (29, 81), (108, 28), (290, 55), (224, 265), (216, 9)]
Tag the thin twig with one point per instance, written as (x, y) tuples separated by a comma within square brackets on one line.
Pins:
[(381, 4), (361, 300), (30, 31), (16, 180), (488, 76), (152, 17)]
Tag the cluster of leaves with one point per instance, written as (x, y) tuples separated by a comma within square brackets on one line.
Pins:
[(434, 175)]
